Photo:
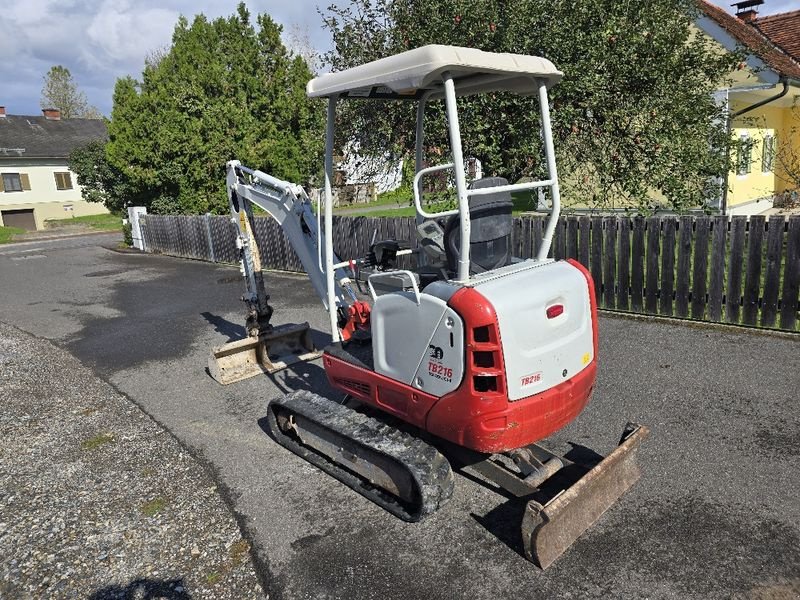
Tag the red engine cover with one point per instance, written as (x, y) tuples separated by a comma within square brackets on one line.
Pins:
[(478, 414)]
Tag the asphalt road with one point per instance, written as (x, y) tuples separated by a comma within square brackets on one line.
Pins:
[(715, 515)]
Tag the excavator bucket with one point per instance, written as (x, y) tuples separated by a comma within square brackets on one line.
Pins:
[(271, 351), (549, 529)]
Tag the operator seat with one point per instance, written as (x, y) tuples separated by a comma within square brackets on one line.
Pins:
[(490, 235)]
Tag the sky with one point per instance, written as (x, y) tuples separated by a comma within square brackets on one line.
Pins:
[(102, 40)]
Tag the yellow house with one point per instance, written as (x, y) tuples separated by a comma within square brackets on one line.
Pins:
[(35, 181), (762, 102)]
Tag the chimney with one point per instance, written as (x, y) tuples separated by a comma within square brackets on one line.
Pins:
[(747, 10), (51, 114), (2, 112)]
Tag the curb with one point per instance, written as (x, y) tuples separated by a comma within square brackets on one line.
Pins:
[(48, 238)]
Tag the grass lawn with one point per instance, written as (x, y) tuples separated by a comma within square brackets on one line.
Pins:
[(395, 200), (6, 233), (105, 222), (523, 202)]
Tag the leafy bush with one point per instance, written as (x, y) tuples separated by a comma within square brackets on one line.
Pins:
[(127, 234)]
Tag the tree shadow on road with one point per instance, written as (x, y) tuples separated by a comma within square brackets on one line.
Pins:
[(144, 589)]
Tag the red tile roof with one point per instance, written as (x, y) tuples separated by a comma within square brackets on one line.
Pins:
[(783, 30), (753, 40)]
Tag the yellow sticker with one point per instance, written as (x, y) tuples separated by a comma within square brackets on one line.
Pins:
[(586, 358)]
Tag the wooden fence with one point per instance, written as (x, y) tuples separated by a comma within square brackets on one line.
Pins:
[(741, 271)]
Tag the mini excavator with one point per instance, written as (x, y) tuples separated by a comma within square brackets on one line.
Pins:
[(465, 361)]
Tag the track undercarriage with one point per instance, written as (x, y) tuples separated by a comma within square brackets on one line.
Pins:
[(412, 478), (401, 473)]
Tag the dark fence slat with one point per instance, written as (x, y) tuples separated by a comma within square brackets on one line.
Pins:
[(702, 226), (791, 275), (736, 256), (559, 239), (527, 248), (752, 281), (653, 247), (538, 233), (683, 270), (585, 225), (716, 289), (572, 237), (516, 236), (637, 264), (403, 233), (623, 262), (668, 226), (769, 305), (597, 256), (609, 262)]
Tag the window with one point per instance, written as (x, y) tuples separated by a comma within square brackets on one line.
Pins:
[(768, 154), (63, 181), (12, 182), (744, 158)]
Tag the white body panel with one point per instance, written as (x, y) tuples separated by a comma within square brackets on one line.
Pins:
[(418, 344), (538, 350)]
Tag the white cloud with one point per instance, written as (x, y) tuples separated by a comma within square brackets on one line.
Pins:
[(118, 34)]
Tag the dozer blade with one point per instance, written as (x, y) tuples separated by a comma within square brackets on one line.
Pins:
[(271, 351), (547, 531)]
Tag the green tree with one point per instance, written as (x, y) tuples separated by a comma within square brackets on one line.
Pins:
[(224, 89), (633, 119), (100, 181), (60, 91)]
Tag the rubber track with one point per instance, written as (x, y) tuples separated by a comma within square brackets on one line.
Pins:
[(428, 468)]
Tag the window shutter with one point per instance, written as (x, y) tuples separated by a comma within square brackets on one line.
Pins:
[(26, 182), (2, 187)]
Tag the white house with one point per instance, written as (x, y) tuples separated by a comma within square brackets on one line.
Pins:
[(35, 181)]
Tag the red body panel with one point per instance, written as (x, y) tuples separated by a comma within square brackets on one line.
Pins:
[(394, 397), (481, 419)]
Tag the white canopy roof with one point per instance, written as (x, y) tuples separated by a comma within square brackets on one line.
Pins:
[(411, 73)]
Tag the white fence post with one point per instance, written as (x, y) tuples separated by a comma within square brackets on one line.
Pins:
[(134, 212)]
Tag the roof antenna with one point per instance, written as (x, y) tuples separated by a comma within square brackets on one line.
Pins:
[(747, 10)]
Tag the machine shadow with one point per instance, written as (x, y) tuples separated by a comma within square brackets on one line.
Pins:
[(309, 376), (504, 522), (234, 331), (144, 589)]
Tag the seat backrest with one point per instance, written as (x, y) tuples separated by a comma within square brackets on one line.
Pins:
[(490, 230)]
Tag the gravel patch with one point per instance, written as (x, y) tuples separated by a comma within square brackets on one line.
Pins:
[(96, 499)]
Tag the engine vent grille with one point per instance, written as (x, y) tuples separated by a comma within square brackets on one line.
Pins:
[(353, 385)]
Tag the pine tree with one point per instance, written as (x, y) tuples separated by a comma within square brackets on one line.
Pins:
[(224, 89)]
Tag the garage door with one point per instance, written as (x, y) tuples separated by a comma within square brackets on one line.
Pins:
[(19, 218)]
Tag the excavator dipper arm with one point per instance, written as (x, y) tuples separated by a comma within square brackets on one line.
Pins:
[(267, 348)]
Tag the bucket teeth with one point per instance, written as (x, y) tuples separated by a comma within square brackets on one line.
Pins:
[(548, 530), (271, 351)]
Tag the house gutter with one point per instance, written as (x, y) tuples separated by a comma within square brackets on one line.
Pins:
[(729, 126)]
